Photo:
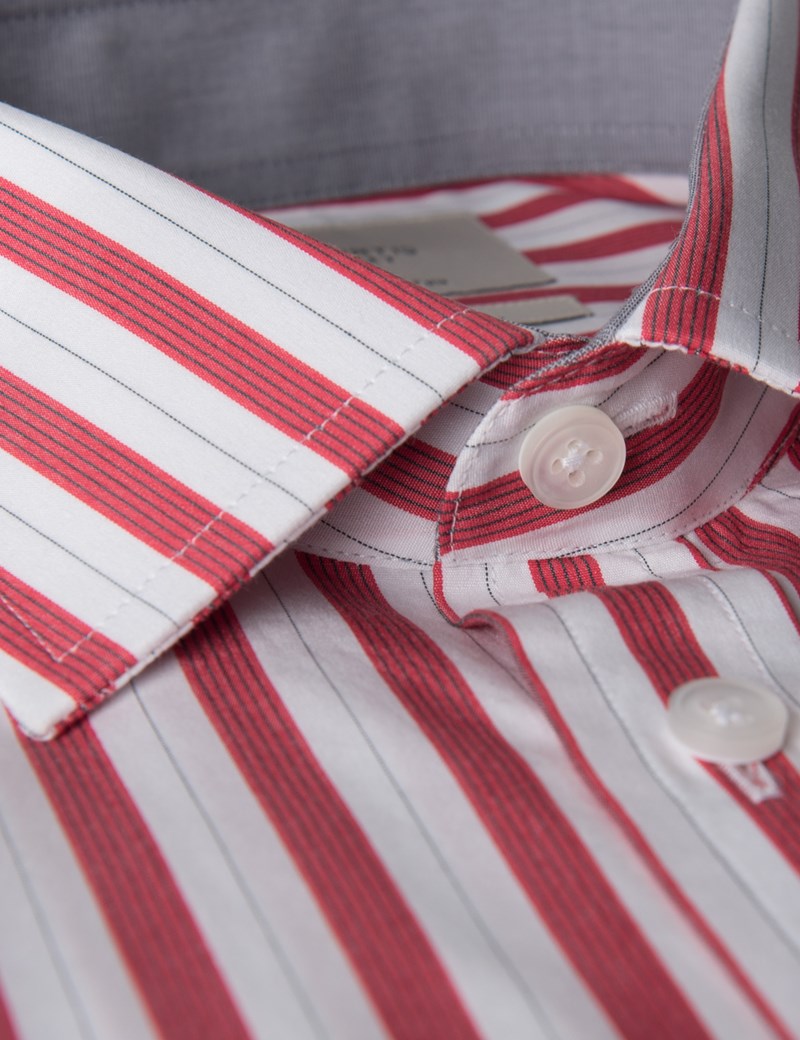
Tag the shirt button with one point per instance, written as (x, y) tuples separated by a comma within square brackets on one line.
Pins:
[(722, 720), (572, 457)]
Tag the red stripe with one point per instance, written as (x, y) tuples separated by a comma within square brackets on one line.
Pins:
[(683, 305), (56, 645), (612, 243), (793, 453), (610, 361), (572, 195), (193, 332), (546, 855), (796, 126), (480, 337), (439, 597), (533, 209), (602, 186), (153, 928), (618, 813), (377, 930), (778, 818), (413, 478), (7, 1031), (785, 443), (572, 191), (124, 487), (525, 366), (519, 375), (739, 540), (659, 636), (556, 577), (505, 507)]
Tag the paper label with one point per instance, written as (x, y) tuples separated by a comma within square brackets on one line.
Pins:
[(454, 255), (451, 255), (539, 311)]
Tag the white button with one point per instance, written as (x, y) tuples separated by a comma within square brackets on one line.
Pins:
[(572, 457), (723, 720)]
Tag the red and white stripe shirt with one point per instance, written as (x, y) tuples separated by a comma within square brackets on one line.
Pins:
[(387, 752)]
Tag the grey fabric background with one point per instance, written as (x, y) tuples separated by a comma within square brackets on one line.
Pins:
[(276, 101)]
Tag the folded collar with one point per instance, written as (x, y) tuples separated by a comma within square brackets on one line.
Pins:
[(185, 389), (730, 287)]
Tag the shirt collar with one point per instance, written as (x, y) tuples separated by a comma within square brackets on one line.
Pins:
[(730, 287), (217, 381)]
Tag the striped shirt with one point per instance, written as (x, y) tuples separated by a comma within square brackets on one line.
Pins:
[(381, 747)]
